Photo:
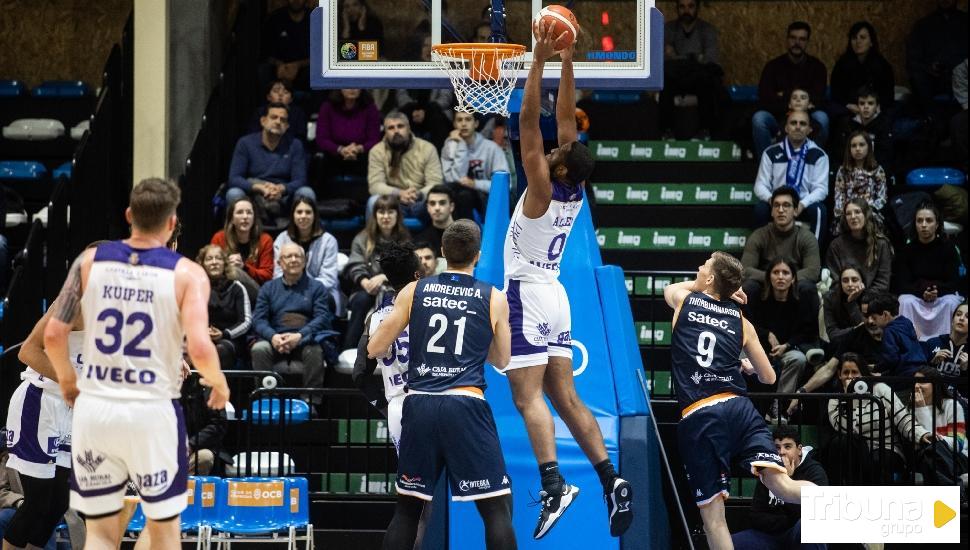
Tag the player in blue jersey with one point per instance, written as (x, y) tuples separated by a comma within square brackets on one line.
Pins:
[(140, 301), (456, 323), (719, 424)]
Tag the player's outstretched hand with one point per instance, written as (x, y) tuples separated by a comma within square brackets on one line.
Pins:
[(219, 393), (545, 42), (567, 53), (740, 297)]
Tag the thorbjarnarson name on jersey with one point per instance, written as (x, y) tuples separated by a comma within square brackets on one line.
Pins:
[(695, 301)]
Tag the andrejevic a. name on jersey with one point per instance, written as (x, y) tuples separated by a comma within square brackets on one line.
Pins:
[(449, 303)]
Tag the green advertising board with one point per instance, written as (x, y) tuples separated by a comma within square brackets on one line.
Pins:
[(666, 151), (741, 194), (650, 285), (674, 239), (653, 334)]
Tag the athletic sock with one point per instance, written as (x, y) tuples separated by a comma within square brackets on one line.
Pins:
[(552, 482), (607, 474)]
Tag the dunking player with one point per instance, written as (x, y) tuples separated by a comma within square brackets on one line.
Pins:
[(538, 305), (456, 322), (718, 423), (39, 438), (138, 300)]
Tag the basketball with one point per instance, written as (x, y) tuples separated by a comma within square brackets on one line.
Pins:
[(562, 19)]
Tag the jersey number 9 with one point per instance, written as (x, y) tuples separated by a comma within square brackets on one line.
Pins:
[(705, 349)]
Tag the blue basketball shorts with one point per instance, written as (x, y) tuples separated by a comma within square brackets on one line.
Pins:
[(711, 438), (456, 432)]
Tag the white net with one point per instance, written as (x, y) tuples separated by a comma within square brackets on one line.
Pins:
[(483, 75)]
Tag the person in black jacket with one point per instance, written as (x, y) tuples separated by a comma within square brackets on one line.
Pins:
[(230, 313), (774, 523), (206, 428), (861, 65)]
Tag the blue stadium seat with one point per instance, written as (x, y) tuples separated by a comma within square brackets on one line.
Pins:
[(267, 411), (413, 224), (202, 503), (251, 505), (137, 523), (63, 170), (933, 176), (12, 88), (744, 94), (61, 89), (22, 170), (299, 501)]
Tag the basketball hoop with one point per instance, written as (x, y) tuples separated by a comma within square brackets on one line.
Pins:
[(483, 74)]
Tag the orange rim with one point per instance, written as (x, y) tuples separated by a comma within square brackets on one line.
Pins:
[(485, 57)]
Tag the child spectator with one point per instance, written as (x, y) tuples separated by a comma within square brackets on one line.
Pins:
[(250, 249), (948, 352), (870, 118), (860, 176), (362, 274), (230, 312), (926, 275), (319, 246), (861, 243), (348, 125), (840, 307), (902, 354)]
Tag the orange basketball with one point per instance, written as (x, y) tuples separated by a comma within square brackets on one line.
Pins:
[(563, 21)]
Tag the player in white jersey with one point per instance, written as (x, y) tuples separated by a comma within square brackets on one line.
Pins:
[(39, 440), (538, 306), (137, 297)]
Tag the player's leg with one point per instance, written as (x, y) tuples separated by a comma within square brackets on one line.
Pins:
[(403, 528), (527, 394), (165, 534), (758, 453), (103, 532), (558, 384), (783, 486), (496, 514), (715, 525)]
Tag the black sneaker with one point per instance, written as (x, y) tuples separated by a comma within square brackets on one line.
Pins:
[(618, 503), (553, 507)]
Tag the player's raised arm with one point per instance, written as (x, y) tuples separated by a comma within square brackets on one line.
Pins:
[(675, 293), (756, 354), (393, 324), (566, 100), (534, 162), (193, 282), (500, 352), (61, 322)]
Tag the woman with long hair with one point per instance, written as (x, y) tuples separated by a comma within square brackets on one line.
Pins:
[(362, 274), (230, 312), (319, 246), (861, 64), (840, 307), (926, 275), (859, 176), (948, 352), (935, 407), (861, 242), (250, 250)]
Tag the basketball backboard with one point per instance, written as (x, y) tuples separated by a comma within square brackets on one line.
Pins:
[(621, 46)]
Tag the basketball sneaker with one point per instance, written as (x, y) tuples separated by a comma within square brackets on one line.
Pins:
[(618, 502), (553, 507)]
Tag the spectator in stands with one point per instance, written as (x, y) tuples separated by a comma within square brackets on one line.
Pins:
[(250, 249), (794, 69), (902, 354), (774, 524), (935, 407), (840, 307), (782, 238), (797, 162), (286, 45), (11, 497), (937, 44), (958, 124), (4, 258), (291, 317), (948, 352), (862, 244), (427, 259), (861, 65), (800, 100), (206, 428), (402, 165), (786, 323), (691, 57), (468, 161), (358, 22), (362, 274), (870, 119), (280, 92), (862, 418), (269, 166), (859, 177), (230, 313), (441, 206), (348, 126), (319, 247), (926, 275)]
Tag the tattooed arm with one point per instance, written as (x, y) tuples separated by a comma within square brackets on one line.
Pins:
[(61, 322)]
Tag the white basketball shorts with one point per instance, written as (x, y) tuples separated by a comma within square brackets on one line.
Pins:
[(394, 410), (540, 319), (38, 431), (115, 440)]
